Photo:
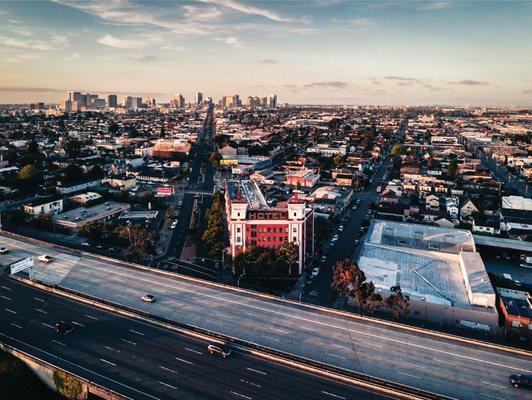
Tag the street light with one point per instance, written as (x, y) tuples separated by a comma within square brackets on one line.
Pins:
[(240, 277)]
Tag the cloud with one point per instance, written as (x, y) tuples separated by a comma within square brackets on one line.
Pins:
[(470, 82), (527, 91), (60, 39), (267, 61), (29, 89), (230, 40), (25, 44), (322, 85), (148, 58), (247, 9), (112, 41), (202, 14), (364, 23), (437, 5)]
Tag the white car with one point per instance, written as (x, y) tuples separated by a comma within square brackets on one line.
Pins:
[(174, 225), (45, 258), (341, 228), (315, 272), (3, 250), (148, 298), (335, 238)]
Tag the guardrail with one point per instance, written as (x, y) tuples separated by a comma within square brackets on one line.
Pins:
[(111, 394), (358, 379), (321, 309)]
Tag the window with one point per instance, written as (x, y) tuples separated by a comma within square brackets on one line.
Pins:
[(434, 246), (294, 229), (402, 242), (295, 214), (238, 214), (238, 239), (238, 230)]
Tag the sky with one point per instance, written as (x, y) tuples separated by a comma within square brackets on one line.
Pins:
[(306, 52)]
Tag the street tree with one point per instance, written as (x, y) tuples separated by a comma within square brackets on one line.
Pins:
[(397, 302)]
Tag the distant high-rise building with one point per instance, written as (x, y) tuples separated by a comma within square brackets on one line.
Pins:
[(264, 102), (249, 102), (178, 101), (73, 96), (199, 98), (256, 102), (69, 106), (138, 102), (129, 102), (37, 106), (150, 102), (273, 101), (112, 101)]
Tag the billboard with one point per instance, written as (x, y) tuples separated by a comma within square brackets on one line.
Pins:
[(21, 265), (165, 190)]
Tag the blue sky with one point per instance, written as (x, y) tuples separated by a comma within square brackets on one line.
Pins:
[(321, 51)]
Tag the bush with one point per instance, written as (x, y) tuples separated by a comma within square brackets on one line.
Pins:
[(67, 385)]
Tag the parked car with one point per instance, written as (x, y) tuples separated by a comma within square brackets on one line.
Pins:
[(86, 244), (148, 298), (521, 380), (64, 328), (45, 258), (3, 250), (341, 228), (357, 241), (219, 349), (174, 224), (315, 272), (335, 238), (323, 259)]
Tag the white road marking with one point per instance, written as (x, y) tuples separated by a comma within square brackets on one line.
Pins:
[(333, 395), (41, 311), (193, 351), (256, 371), (167, 385), (492, 397), (82, 285), (494, 384), (251, 383), (58, 342), (340, 346), (413, 376), (214, 322), (251, 314), (224, 316), (138, 333), (168, 369), (111, 349), (41, 300), (91, 317), (413, 365), (129, 342), (204, 301), (335, 355), (10, 311), (108, 362), (184, 361), (6, 288), (278, 330), (48, 325), (18, 326), (271, 338), (78, 324), (6, 298), (241, 395), (443, 362), (306, 328)]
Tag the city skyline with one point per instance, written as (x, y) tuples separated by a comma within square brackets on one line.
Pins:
[(319, 52)]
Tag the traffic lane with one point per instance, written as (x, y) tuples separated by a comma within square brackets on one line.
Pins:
[(145, 354)]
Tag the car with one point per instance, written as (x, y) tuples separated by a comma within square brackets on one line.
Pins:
[(521, 380), (315, 272), (174, 224), (148, 298), (86, 244), (219, 349), (358, 201), (63, 327), (335, 238), (3, 250), (341, 228), (357, 241), (354, 207), (180, 203), (45, 258), (323, 259)]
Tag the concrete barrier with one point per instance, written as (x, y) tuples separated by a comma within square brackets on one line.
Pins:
[(325, 310), (368, 382)]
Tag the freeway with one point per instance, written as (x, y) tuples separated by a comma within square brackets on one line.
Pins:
[(501, 173), (462, 370), (143, 361)]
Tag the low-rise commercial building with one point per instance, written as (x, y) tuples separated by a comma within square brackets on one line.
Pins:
[(77, 217)]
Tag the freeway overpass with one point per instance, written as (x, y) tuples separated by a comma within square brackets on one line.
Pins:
[(460, 369)]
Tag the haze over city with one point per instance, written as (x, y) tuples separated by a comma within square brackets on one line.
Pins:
[(344, 52)]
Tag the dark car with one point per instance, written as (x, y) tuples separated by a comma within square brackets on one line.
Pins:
[(220, 349), (64, 328), (521, 380)]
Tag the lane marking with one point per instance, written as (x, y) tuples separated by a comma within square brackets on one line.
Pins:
[(111, 349), (413, 365), (251, 314), (184, 361), (214, 322), (41, 311), (167, 385), (224, 316), (5, 297), (335, 355), (256, 371), (6, 288), (271, 338), (492, 397), (341, 347), (443, 362), (333, 395), (129, 342), (251, 383), (494, 384), (58, 342), (108, 362), (413, 376), (240, 395), (91, 317), (138, 333), (18, 326), (41, 300), (76, 365), (48, 325), (193, 351), (10, 311), (78, 324), (168, 369), (279, 330)]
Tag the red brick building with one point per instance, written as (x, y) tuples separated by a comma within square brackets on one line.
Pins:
[(516, 308), (252, 222)]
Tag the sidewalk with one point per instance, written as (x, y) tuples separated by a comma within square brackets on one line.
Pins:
[(298, 287)]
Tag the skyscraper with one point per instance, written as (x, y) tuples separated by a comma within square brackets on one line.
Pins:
[(273, 101), (178, 101), (199, 98), (112, 101)]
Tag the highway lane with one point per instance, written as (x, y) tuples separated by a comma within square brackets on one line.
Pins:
[(144, 361), (391, 353)]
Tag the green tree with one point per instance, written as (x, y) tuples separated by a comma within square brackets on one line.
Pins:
[(338, 160), (141, 241), (28, 173), (452, 169), (72, 147), (214, 159), (398, 150), (67, 385), (290, 252), (113, 128), (398, 302)]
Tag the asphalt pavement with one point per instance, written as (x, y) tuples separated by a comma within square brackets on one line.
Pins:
[(143, 361)]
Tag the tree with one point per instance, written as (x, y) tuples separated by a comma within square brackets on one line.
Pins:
[(141, 241), (93, 230), (349, 280), (213, 235), (67, 385), (214, 159), (43, 220), (290, 252), (452, 169), (28, 173), (113, 128), (397, 302), (169, 213), (338, 160), (398, 150)]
